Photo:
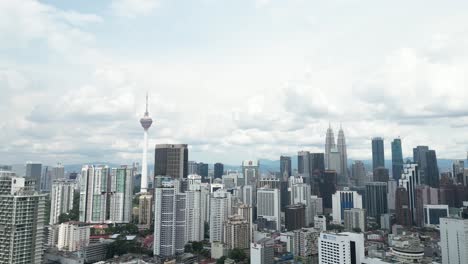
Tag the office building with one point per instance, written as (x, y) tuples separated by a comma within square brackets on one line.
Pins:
[(355, 218), (236, 232), (419, 157), (409, 180), (317, 205), (218, 170), (328, 187), (454, 240), (458, 171), (295, 217), (169, 219), (269, 182), (341, 146), (402, 207), (171, 160), (391, 187), (397, 159), (329, 145), (203, 170), (343, 248), (262, 251), (268, 206), (73, 236), (334, 163), (250, 169), (433, 213), (192, 168), (358, 173), (285, 167), (381, 174), (300, 194), (343, 200), (194, 215), (220, 206), (61, 199), (432, 169), (303, 166), (317, 167), (121, 194), (34, 172), (376, 199), (378, 154), (425, 195), (22, 214), (145, 122)]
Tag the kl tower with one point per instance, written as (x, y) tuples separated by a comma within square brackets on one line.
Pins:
[(145, 122)]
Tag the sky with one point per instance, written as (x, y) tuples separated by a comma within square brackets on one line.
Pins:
[(234, 79)]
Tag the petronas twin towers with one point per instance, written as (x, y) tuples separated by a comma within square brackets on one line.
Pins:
[(336, 157)]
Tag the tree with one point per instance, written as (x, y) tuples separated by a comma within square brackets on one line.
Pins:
[(237, 254), (207, 231), (357, 230), (188, 248), (197, 246), (221, 260)]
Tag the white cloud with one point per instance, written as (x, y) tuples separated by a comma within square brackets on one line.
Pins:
[(134, 8)]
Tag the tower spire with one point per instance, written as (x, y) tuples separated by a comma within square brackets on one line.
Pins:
[(146, 102)]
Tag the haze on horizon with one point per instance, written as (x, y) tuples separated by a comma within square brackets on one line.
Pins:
[(233, 79)]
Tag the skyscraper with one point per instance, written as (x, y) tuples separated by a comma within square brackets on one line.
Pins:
[(171, 160), (237, 232), (329, 145), (34, 172), (409, 180), (61, 199), (328, 187), (250, 168), (454, 240), (317, 167), (341, 145), (432, 170), (378, 154), (381, 174), (218, 170), (195, 220), (268, 206), (459, 171), (203, 170), (355, 218), (22, 221), (397, 159), (120, 195), (145, 122), (376, 199), (285, 167), (343, 200), (169, 219), (220, 208), (358, 172), (402, 207), (303, 166), (419, 157), (343, 248)]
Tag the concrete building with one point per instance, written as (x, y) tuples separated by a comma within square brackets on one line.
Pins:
[(380, 174), (341, 145), (299, 193), (397, 159), (320, 223), (454, 240), (250, 169), (22, 213), (329, 145), (358, 173), (306, 242), (195, 230), (61, 195), (169, 219), (268, 206), (121, 194), (218, 170), (378, 153), (295, 217), (376, 199), (73, 236), (220, 205), (343, 248), (303, 166), (343, 200), (145, 211), (285, 167), (409, 180), (236, 233), (34, 172), (433, 213), (171, 160), (355, 218), (262, 251)]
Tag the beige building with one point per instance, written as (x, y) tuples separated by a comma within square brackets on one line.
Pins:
[(237, 232)]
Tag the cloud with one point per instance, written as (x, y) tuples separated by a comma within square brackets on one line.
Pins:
[(134, 8)]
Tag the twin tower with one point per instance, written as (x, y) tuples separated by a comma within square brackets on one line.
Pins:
[(336, 157)]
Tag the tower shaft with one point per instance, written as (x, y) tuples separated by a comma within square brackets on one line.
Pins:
[(144, 165)]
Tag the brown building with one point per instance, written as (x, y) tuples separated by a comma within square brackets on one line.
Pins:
[(381, 174), (403, 212), (295, 217)]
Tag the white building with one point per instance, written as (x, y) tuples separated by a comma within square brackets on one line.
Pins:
[(250, 169), (343, 248), (269, 205), (355, 218), (262, 252), (72, 236), (120, 195), (61, 199), (342, 200), (454, 240), (169, 219), (195, 224), (433, 213), (299, 193), (220, 205), (320, 222)]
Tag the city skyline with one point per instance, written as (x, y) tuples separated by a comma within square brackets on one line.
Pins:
[(271, 87)]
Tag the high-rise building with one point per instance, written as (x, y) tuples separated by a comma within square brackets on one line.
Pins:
[(320, 222), (425, 195), (334, 162), (344, 248), (169, 219), (328, 187), (300, 194), (192, 167), (262, 251), (236, 233), (402, 207), (459, 171), (22, 221), (329, 145), (341, 145), (409, 180), (203, 170), (381, 174), (397, 159), (34, 172), (219, 212), (121, 194), (73, 236), (433, 213), (376, 199), (454, 240), (391, 187), (61, 199), (358, 173), (305, 243), (145, 214), (171, 160), (303, 166), (343, 200), (285, 167), (195, 220), (317, 167), (218, 170), (355, 218), (378, 154), (432, 170), (145, 122), (268, 206), (250, 169), (419, 157), (295, 217)]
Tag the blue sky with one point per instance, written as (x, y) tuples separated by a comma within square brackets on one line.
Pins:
[(235, 79)]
